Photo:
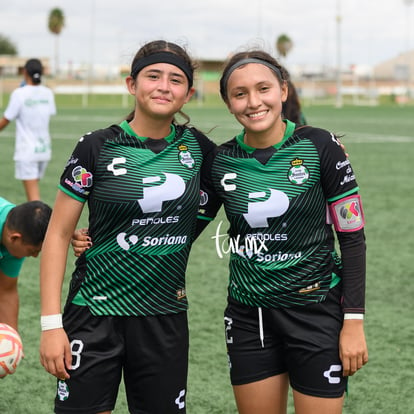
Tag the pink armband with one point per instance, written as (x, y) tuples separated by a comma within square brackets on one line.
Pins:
[(347, 214)]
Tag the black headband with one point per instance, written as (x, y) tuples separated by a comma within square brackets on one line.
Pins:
[(164, 57), (245, 62)]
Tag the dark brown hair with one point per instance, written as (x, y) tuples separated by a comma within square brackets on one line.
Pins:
[(252, 54), (31, 220), (163, 46)]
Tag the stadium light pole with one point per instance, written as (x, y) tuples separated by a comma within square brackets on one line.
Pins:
[(89, 70), (259, 20), (338, 56), (408, 3)]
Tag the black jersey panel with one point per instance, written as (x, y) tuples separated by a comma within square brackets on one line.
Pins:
[(281, 245), (142, 216)]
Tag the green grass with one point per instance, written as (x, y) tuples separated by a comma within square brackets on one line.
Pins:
[(380, 142)]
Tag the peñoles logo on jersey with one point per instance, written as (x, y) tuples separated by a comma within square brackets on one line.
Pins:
[(258, 212), (167, 187), (270, 203)]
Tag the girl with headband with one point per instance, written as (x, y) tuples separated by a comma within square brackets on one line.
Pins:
[(295, 306), (125, 314)]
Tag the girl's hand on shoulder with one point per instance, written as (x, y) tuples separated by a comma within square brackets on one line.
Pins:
[(80, 241), (342, 146)]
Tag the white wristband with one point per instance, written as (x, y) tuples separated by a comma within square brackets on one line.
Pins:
[(359, 316), (49, 322)]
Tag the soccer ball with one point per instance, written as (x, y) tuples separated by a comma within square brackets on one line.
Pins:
[(11, 350)]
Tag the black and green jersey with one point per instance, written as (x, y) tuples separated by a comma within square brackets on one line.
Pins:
[(143, 196), (281, 244)]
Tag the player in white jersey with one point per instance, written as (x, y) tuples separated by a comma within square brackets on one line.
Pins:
[(31, 106)]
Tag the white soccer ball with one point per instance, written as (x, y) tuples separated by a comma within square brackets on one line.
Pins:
[(11, 350)]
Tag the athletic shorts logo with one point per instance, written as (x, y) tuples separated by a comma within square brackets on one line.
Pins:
[(332, 370), (62, 391), (180, 401), (258, 212), (228, 322), (165, 188)]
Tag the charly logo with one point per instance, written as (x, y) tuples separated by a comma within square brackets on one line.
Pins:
[(298, 173), (258, 212), (117, 161), (227, 186), (328, 374), (180, 401), (171, 188)]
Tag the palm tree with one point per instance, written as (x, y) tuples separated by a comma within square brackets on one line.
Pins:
[(56, 23), (7, 47), (283, 45)]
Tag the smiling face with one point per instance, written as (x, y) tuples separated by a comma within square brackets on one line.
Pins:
[(255, 97), (160, 90)]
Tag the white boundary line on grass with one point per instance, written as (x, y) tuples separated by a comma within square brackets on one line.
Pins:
[(375, 138), (357, 139)]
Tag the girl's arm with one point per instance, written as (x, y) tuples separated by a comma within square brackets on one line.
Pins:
[(55, 354)]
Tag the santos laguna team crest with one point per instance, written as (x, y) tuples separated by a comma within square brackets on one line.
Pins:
[(298, 173), (185, 156)]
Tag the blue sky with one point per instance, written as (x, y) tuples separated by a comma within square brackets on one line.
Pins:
[(110, 32)]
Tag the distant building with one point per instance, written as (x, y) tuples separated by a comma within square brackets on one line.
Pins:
[(400, 68), (13, 65)]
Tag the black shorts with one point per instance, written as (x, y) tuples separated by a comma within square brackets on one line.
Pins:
[(302, 341), (150, 352)]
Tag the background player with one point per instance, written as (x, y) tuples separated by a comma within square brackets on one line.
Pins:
[(31, 105), (126, 309), (22, 230)]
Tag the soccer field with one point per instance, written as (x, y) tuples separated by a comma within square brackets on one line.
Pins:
[(380, 143)]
